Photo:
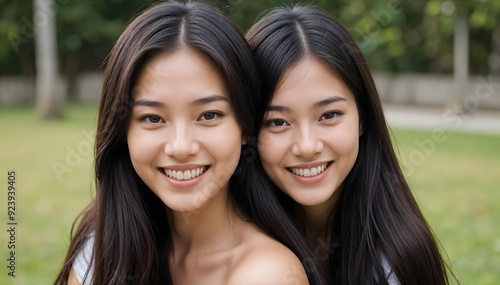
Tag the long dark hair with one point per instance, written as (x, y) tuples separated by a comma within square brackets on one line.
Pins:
[(376, 216), (129, 222)]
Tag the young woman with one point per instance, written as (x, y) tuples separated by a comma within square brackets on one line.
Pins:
[(179, 198), (324, 142)]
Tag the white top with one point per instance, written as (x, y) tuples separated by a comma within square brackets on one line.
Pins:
[(82, 262), (392, 279)]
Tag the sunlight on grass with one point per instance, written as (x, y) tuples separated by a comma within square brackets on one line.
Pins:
[(455, 181)]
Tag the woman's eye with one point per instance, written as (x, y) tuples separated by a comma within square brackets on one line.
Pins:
[(277, 123), (209, 116), (329, 115), (153, 119)]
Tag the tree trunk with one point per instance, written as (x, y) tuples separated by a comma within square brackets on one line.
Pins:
[(460, 60), (48, 97), (494, 60), (71, 71)]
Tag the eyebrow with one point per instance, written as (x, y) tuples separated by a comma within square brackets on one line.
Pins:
[(324, 102), (201, 101), (209, 99), (278, 108), (329, 101), (148, 103)]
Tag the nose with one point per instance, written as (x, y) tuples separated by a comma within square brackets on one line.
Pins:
[(307, 143), (180, 143)]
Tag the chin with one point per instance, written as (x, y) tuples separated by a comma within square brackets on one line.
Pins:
[(312, 197), (311, 203), (183, 208)]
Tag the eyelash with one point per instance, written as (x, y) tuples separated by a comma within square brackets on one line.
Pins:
[(335, 115), (217, 114), (147, 118), (269, 123)]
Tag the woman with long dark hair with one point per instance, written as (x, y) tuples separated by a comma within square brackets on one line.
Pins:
[(179, 196), (325, 144)]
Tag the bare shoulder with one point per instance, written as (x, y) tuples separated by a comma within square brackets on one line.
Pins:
[(266, 261), (72, 280)]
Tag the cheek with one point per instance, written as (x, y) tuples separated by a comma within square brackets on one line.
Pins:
[(347, 141), (225, 143), (133, 144), (228, 149), (141, 146)]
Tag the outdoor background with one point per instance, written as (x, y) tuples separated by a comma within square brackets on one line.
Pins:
[(436, 65)]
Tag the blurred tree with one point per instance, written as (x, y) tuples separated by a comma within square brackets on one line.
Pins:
[(460, 56), (395, 35), (17, 55), (494, 59), (48, 98), (474, 25), (87, 31), (245, 13)]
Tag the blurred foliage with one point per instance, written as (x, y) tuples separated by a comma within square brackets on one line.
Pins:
[(86, 31), (395, 35)]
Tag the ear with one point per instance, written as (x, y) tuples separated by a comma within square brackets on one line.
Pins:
[(360, 129)]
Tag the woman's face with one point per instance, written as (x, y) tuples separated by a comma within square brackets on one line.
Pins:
[(309, 141), (183, 137)]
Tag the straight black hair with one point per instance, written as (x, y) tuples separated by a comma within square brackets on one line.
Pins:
[(376, 216), (132, 239)]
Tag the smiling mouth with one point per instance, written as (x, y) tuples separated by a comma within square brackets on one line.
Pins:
[(184, 174), (309, 172)]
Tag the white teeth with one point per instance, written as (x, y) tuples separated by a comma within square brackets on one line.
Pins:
[(184, 175), (314, 171), (308, 172)]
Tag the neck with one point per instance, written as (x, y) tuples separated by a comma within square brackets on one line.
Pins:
[(318, 218), (209, 227), (318, 224)]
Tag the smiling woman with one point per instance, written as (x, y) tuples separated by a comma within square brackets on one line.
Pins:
[(174, 120), (326, 146), (180, 127), (309, 143)]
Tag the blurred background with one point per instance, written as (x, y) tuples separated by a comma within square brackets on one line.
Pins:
[(436, 64)]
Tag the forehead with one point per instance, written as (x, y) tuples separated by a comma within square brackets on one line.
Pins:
[(176, 64), (309, 79), (181, 73)]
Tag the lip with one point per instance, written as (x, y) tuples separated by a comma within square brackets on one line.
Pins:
[(311, 179), (184, 183)]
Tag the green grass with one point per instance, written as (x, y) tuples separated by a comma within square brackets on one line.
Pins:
[(457, 186), (455, 178), (46, 204)]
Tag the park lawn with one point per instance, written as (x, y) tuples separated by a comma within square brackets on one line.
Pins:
[(455, 179), (50, 190), (457, 186)]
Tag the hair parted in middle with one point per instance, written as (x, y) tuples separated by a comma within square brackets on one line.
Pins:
[(132, 237), (376, 214)]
